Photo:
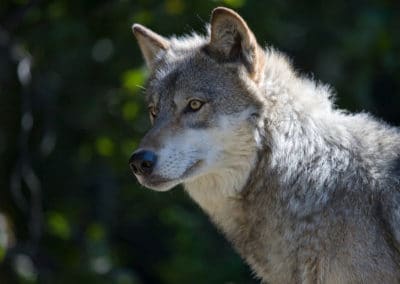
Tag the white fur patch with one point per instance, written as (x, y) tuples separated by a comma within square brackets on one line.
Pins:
[(180, 153)]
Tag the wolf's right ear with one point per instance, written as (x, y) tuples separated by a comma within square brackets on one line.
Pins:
[(150, 43), (233, 41)]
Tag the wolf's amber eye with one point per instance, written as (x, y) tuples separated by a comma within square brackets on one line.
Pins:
[(195, 105)]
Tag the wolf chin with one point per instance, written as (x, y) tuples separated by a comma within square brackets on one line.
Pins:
[(305, 192)]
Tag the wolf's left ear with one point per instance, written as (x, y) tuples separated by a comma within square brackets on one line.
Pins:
[(150, 43), (232, 40)]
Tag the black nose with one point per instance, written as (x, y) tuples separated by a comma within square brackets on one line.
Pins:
[(142, 162)]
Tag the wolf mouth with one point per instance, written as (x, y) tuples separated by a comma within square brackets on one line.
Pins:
[(160, 182), (192, 168)]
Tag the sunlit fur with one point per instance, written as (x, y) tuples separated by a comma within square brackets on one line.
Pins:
[(305, 192)]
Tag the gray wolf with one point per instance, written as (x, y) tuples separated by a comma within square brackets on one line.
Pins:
[(305, 192)]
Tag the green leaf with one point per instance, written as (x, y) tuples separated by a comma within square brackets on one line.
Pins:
[(58, 225), (133, 79), (105, 146), (234, 3), (130, 110), (174, 7)]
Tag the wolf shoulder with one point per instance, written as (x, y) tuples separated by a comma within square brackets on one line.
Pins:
[(378, 145)]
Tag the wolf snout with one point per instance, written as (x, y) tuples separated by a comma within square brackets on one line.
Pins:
[(142, 162)]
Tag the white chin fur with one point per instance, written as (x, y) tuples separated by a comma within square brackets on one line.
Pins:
[(158, 185), (163, 186)]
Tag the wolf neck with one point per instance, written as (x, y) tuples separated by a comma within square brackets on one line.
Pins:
[(220, 194)]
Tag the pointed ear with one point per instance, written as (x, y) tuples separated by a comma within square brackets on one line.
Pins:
[(232, 40), (150, 43)]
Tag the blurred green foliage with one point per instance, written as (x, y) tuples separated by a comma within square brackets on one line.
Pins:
[(72, 111)]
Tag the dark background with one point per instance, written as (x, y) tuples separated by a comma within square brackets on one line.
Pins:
[(71, 113)]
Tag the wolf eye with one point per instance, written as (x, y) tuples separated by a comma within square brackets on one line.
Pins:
[(153, 112), (195, 105)]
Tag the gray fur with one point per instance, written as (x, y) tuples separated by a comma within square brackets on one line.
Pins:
[(305, 192)]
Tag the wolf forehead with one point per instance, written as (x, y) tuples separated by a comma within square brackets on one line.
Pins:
[(187, 75), (184, 74)]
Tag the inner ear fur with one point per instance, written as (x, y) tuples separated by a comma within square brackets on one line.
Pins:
[(150, 43), (232, 40)]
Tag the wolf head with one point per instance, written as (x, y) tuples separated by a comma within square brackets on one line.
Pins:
[(202, 101)]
